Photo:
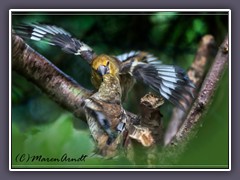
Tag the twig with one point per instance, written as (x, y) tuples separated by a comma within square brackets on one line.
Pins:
[(196, 73), (51, 80), (206, 93)]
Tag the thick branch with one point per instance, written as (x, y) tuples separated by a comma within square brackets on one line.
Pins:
[(51, 80), (196, 73), (206, 93)]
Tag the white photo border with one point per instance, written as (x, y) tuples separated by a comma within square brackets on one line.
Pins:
[(116, 11)]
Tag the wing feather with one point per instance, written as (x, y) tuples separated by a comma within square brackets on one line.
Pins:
[(55, 36), (171, 82)]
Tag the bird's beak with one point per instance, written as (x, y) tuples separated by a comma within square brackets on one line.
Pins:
[(102, 70)]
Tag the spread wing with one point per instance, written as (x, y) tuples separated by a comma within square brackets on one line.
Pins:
[(126, 59), (170, 81), (55, 36)]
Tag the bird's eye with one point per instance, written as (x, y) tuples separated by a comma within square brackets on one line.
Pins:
[(107, 63)]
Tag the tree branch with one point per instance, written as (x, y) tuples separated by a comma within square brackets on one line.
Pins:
[(196, 73), (206, 93), (51, 80), (170, 154)]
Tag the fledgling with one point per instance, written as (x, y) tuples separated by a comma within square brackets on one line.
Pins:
[(106, 117)]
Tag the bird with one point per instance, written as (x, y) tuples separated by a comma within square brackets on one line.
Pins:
[(169, 81), (106, 117)]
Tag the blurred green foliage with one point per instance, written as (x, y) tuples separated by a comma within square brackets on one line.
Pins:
[(40, 126)]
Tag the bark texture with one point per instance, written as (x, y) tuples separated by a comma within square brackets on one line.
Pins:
[(196, 73), (207, 91), (51, 80)]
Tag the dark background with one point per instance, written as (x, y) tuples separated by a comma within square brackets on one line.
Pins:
[(173, 37)]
